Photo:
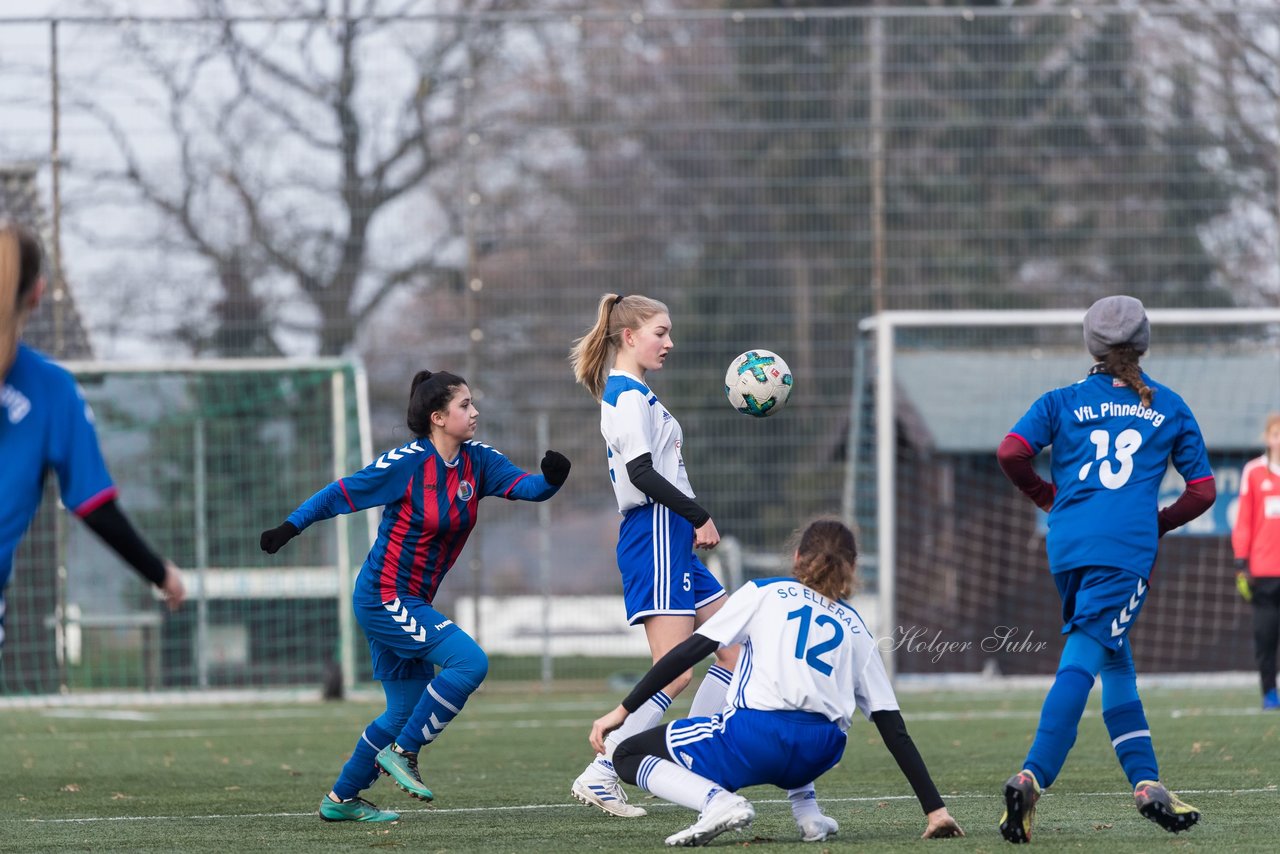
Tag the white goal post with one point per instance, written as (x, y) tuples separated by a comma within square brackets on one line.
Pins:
[(196, 445)]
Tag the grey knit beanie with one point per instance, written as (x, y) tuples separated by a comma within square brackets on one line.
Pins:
[(1112, 321)]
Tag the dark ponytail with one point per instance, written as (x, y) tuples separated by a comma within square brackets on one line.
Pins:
[(429, 393)]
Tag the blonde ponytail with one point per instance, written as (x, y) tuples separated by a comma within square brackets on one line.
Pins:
[(593, 353)]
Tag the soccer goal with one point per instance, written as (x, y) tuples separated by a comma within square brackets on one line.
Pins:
[(206, 455), (958, 554)]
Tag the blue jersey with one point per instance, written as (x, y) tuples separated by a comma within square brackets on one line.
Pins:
[(1109, 455), (44, 424), (430, 510)]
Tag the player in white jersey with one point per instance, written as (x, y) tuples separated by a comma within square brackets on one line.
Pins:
[(808, 664), (665, 587)]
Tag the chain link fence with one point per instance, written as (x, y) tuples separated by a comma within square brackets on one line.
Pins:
[(457, 191)]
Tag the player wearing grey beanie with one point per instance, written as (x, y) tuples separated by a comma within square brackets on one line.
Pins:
[(1115, 321)]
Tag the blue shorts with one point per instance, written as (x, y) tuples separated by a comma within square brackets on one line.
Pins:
[(402, 634), (748, 747), (1101, 601), (660, 572)]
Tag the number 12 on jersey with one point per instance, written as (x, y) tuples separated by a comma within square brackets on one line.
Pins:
[(812, 655)]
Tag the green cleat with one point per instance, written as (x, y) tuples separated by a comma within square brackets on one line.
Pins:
[(353, 809), (1021, 791), (402, 768), (1163, 807)]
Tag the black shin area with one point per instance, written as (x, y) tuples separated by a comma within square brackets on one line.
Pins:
[(628, 755)]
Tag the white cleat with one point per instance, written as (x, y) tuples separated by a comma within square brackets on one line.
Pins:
[(604, 792), (818, 828), (725, 812)]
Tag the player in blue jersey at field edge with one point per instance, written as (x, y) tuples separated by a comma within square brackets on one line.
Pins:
[(1113, 435), (431, 488), (665, 586), (808, 664), (46, 424)]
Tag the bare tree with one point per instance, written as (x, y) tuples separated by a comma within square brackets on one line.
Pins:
[(312, 162)]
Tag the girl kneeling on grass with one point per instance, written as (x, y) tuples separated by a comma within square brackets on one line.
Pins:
[(808, 663)]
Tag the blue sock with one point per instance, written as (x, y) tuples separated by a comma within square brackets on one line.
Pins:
[(1125, 719), (360, 771), (1059, 719), (1082, 658), (1131, 738), (463, 667)]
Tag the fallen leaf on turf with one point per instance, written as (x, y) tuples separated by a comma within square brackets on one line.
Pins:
[(71, 787), (1102, 826), (119, 796)]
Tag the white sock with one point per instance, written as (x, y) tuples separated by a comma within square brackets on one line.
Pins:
[(643, 718), (804, 802), (671, 782), (711, 692)]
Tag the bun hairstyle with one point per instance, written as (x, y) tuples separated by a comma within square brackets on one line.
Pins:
[(429, 393), (826, 558)]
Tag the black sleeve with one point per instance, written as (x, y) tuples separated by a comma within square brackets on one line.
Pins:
[(640, 471), (109, 523), (667, 668), (894, 732)]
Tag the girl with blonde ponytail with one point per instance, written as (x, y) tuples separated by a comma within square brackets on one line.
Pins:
[(666, 588), (46, 424)]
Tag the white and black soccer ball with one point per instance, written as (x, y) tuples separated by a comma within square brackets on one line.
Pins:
[(758, 383)]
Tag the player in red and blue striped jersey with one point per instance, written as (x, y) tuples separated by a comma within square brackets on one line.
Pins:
[(1113, 436), (431, 489), (46, 425)]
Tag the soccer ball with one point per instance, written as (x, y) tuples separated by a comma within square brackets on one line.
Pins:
[(758, 383)]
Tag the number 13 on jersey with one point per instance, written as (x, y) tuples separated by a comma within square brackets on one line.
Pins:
[(1126, 445)]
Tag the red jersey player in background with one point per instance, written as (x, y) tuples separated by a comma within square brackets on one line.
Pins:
[(1256, 542)]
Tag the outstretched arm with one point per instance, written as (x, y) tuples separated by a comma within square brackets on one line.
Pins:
[(109, 522), (893, 731), (663, 672)]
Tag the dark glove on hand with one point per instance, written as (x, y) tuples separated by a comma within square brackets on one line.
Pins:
[(272, 540), (555, 467)]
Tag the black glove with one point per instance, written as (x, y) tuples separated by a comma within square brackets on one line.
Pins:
[(271, 541), (555, 467)]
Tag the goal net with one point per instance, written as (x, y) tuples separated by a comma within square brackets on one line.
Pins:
[(961, 574), (205, 456)]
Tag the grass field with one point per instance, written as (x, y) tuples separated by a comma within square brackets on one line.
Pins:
[(248, 778)]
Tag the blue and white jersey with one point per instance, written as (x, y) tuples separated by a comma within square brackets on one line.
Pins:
[(633, 423), (45, 424), (1109, 455), (800, 651)]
